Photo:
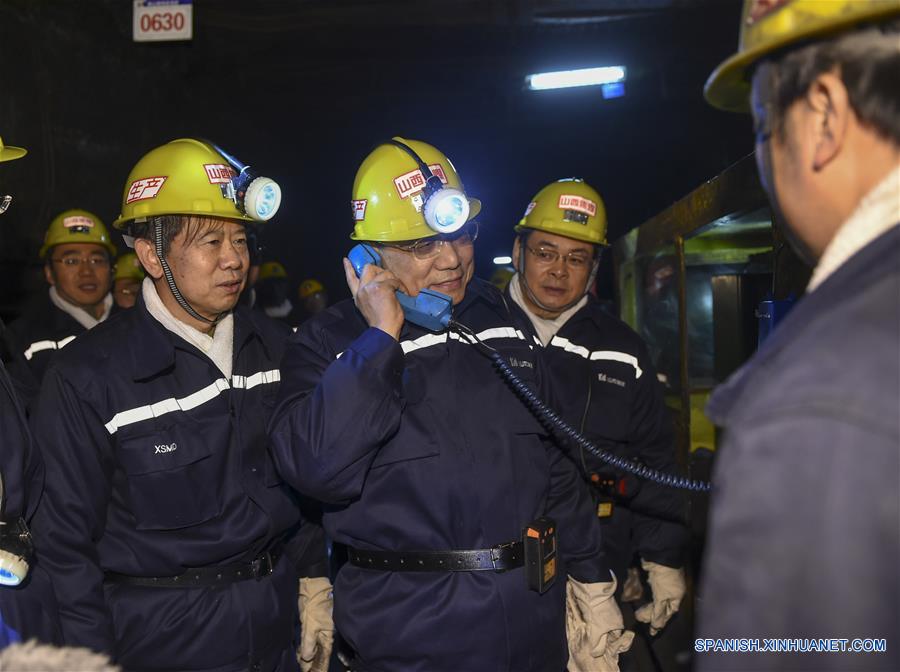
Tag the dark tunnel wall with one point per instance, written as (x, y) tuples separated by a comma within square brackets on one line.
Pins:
[(303, 94)]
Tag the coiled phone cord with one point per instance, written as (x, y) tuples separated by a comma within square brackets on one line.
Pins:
[(552, 419)]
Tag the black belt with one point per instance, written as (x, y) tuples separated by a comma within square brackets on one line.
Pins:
[(497, 558), (261, 566)]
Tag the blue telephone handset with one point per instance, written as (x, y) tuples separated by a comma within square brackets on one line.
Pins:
[(428, 309)]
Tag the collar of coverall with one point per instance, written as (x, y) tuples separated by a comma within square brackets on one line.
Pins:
[(153, 346), (80, 315)]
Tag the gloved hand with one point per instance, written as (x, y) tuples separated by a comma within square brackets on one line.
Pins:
[(594, 627), (316, 624), (668, 587)]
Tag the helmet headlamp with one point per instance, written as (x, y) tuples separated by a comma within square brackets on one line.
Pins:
[(445, 209), (256, 196), (16, 550)]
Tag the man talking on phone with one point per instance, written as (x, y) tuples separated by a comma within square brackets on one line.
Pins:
[(465, 527)]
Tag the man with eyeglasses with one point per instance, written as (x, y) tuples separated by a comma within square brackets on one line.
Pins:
[(605, 386), (78, 255), (429, 466)]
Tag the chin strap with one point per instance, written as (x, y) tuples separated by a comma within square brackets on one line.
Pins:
[(170, 279), (536, 301)]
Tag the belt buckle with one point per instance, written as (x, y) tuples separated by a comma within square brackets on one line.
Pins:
[(496, 552), (262, 566)]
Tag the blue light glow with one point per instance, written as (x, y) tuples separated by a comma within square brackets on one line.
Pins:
[(613, 90), (267, 201), (450, 210), (7, 578)]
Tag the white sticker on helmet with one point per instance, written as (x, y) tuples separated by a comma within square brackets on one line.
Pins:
[(578, 204), (78, 222), (146, 187), (414, 182), (218, 173), (359, 209)]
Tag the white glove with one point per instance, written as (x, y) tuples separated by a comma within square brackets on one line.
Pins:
[(668, 587), (34, 656), (316, 624), (594, 627)]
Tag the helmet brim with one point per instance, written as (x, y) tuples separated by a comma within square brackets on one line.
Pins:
[(474, 208), (121, 223), (520, 228), (8, 153), (728, 87)]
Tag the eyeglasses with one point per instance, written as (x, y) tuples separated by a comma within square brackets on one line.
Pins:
[(76, 262), (428, 248), (547, 257)]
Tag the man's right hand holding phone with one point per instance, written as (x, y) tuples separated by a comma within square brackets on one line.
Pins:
[(374, 293)]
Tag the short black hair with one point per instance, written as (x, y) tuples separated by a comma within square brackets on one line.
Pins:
[(172, 225), (868, 62)]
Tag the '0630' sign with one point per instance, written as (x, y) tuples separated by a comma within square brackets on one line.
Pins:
[(158, 20)]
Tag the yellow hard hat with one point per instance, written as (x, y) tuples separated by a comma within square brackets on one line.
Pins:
[(309, 287), (128, 266), (8, 153), (188, 177), (770, 25), (570, 208), (272, 269), (76, 226), (388, 190)]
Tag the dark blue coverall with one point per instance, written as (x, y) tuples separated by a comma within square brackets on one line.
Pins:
[(604, 385), (35, 338), (156, 463), (27, 611), (804, 535), (421, 446)]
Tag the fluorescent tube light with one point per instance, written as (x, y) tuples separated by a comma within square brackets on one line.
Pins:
[(564, 79)]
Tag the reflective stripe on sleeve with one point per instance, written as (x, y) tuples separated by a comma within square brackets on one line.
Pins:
[(259, 378), (429, 340), (608, 355), (38, 346), (191, 401)]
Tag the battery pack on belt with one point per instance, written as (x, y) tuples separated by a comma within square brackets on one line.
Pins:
[(540, 554), (497, 558), (261, 566)]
